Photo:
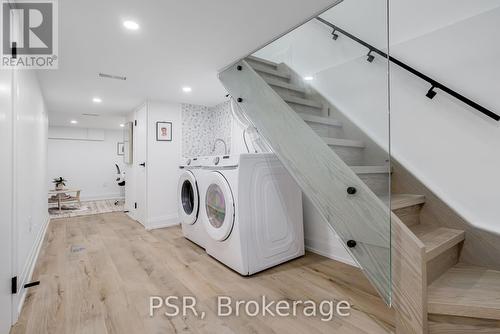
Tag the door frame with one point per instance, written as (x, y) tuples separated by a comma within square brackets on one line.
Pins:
[(135, 163)]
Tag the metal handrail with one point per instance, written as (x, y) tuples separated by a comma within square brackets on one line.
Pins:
[(434, 84)]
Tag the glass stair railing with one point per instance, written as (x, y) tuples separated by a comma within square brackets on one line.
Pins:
[(299, 94)]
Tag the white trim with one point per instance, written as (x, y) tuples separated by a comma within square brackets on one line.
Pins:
[(325, 250), (27, 272), (162, 222)]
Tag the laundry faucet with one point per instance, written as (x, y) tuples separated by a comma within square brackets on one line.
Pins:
[(223, 142)]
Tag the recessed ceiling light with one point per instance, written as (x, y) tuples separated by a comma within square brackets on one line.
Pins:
[(122, 125), (186, 89), (97, 100), (73, 122), (308, 78), (131, 25)]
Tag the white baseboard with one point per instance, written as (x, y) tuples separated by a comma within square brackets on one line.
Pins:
[(162, 222), (326, 250), (29, 267)]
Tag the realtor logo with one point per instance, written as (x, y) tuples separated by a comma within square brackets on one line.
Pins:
[(29, 34)]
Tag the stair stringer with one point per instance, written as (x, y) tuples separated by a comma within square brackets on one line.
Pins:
[(305, 155)]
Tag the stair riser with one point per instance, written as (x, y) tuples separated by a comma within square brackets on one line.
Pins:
[(441, 263), (267, 76), (255, 63), (378, 183), (350, 155), (410, 215), (307, 109), (286, 91), (324, 130)]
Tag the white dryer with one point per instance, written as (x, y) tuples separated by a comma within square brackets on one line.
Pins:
[(189, 202), (252, 212)]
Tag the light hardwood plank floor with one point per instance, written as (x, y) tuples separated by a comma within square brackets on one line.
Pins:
[(98, 272)]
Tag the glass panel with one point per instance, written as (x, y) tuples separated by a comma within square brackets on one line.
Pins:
[(187, 197), (319, 97), (216, 206)]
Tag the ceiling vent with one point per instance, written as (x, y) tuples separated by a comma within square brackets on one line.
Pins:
[(92, 115), (111, 76)]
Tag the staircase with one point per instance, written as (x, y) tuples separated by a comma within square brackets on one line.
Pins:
[(461, 298), (315, 111)]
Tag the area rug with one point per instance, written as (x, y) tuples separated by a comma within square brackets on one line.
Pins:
[(87, 208)]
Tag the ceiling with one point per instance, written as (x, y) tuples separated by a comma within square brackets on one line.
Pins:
[(179, 43)]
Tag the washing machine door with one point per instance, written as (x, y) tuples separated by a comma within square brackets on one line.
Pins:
[(188, 197), (219, 207)]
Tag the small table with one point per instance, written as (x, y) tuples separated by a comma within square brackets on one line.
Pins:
[(59, 197)]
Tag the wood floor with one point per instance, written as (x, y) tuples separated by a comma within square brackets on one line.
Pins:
[(98, 272)]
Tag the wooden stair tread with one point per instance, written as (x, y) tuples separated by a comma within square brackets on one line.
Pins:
[(285, 85), (299, 100), (343, 142), (263, 61), (437, 239), (320, 119), (400, 201), (468, 291), (276, 73), (370, 169)]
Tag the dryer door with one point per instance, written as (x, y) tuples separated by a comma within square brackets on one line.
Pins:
[(219, 206), (189, 199)]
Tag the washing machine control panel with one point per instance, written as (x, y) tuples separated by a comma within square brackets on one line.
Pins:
[(217, 162)]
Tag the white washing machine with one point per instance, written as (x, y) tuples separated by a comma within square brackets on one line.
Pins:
[(252, 212), (189, 201)]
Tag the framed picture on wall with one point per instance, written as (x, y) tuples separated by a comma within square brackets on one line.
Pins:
[(120, 149), (163, 131)]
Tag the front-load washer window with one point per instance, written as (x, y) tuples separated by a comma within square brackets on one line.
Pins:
[(187, 197), (216, 206), (188, 205), (219, 207)]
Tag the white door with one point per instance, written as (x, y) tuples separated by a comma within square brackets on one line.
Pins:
[(5, 200), (141, 167)]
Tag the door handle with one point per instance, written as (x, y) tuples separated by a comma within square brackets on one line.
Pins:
[(143, 164)]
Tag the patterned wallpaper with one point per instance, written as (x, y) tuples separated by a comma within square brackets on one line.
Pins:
[(201, 126)]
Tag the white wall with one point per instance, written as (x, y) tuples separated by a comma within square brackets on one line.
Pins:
[(6, 152), (30, 175), (451, 148), (163, 159), (87, 161)]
